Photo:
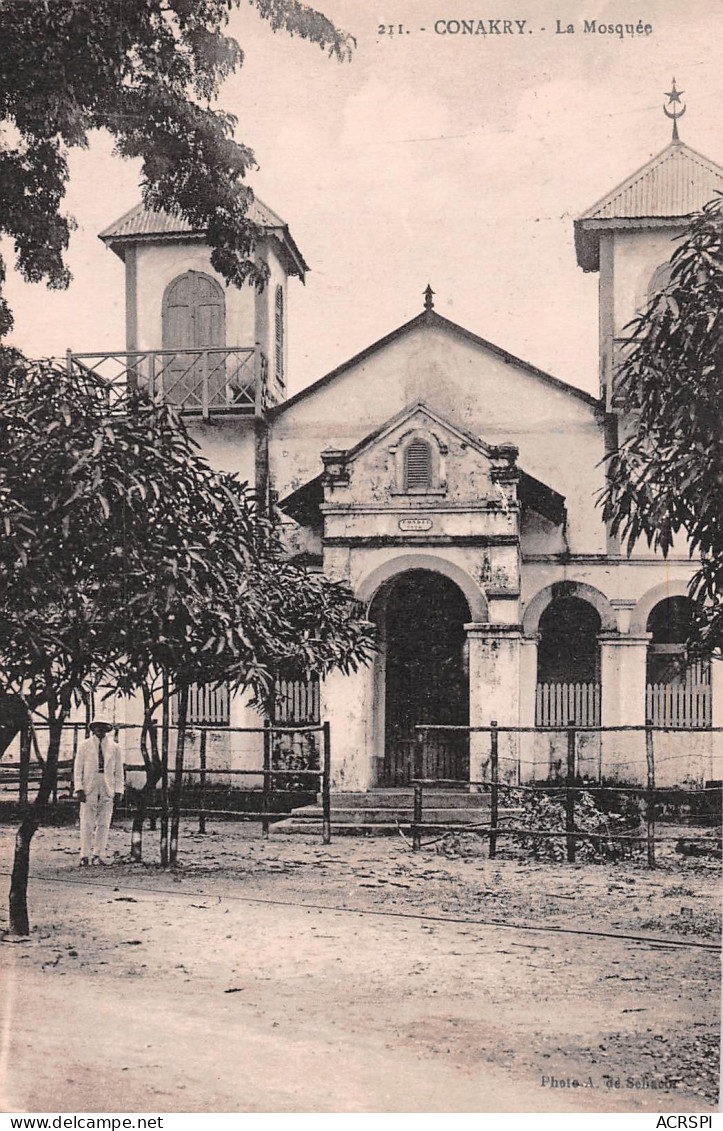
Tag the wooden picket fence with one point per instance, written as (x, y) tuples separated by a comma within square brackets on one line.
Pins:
[(684, 703), (558, 704), (296, 701), (207, 706)]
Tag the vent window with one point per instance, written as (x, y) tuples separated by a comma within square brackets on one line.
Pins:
[(418, 466), (279, 334)]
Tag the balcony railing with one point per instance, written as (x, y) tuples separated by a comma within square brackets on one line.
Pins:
[(199, 382)]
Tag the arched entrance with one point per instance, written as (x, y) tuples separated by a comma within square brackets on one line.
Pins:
[(425, 677)]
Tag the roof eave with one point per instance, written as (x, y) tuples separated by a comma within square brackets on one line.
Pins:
[(295, 255), (588, 229), (587, 247), (118, 244), (296, 264)]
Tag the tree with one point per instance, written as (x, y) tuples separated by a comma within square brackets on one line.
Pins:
[(229, 609), (149, 73), (665, 480), (122, 549)]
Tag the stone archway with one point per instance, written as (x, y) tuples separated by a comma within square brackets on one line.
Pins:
[(374, 581), (658, 593), (422, 675), (565, 589)]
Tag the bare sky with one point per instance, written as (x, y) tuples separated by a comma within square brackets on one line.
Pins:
[(458, 160)]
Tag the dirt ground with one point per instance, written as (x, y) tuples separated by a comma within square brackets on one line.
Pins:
[(284, 976)]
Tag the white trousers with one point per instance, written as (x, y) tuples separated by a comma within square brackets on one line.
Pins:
[(95, 817)]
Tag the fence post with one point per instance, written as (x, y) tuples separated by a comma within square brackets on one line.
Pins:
[(570, 796), (204, 386), (418, 756), (494, 792), (202, 799), (326, 787), (165, 743), (57, 768), (650, 799), (417, 816), (75, 755), (24, 766), (267, 779)]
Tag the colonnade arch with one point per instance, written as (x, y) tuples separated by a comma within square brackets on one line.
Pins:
[(566, 620), (474, 595), (568, 589)]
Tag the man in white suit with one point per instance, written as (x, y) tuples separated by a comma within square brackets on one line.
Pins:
[(97, 780)]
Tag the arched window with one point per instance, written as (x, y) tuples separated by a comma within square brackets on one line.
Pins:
[(279, 335), (568, 666), (418, 466), (669, 623), (678, 692)]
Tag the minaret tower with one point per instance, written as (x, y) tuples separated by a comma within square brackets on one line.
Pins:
[(628, 236)]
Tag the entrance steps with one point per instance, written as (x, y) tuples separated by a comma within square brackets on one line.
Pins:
[(379, 812)]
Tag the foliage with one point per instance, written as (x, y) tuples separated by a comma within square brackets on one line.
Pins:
[(665, 481), (123, 549), (124, 552), (149, 72), (541, 812)]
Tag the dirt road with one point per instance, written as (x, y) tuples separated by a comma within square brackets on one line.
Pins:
[(141, 991)]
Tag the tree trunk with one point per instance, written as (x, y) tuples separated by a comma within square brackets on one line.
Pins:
[(18, 903), (178, 777), (19, 920), (145, 796)]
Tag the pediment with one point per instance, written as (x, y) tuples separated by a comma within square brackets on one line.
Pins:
[(417, 416), (457, 468), (471, 474)]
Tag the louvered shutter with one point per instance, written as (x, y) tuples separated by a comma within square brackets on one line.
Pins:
[(418, 465), (279, 334)]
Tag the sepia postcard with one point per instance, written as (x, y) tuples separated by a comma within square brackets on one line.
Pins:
[(475, 869)]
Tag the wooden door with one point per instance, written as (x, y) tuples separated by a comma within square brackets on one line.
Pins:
[(194, 318)]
